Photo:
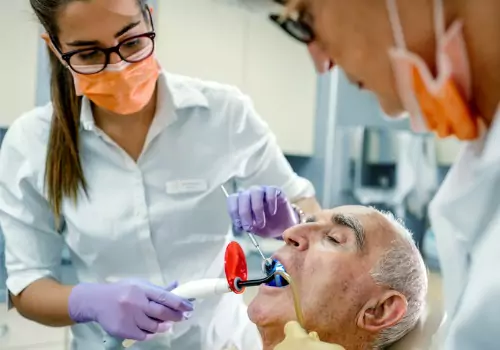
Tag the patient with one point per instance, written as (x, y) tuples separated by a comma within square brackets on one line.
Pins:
[(361, 280)]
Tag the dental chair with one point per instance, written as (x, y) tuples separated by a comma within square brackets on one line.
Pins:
[(424, 335)]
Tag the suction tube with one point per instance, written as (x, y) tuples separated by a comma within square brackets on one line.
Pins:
[(277, 275), (296, 297)]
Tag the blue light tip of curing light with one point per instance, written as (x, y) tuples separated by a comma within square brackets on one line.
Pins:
[(278, 281)]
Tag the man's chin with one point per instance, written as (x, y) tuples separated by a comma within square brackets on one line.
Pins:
[(266, 310), (391, 107), (257, 311)]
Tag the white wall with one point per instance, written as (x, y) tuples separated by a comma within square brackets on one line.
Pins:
[(221, 41), (257, 53), (18, 62)]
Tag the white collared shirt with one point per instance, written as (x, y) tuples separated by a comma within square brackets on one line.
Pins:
[(162, 218), (465, 216)]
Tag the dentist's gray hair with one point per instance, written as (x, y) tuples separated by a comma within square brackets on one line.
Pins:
[(402, 269)]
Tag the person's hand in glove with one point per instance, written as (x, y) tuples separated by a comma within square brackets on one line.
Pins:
[(263, 210), (129, 309), (296, 338)]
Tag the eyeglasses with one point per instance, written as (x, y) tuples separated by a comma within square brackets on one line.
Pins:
[(296, 28), (94, 60)]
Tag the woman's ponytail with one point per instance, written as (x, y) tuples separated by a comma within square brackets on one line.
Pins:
[(63, 170)]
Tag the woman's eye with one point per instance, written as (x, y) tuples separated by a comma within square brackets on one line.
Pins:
[(305, 17), (88, 55), (132, 43)]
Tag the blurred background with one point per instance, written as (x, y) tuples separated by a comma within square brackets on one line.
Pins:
[(332, 133)]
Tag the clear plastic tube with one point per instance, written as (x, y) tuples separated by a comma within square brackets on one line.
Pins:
[(296, 297)]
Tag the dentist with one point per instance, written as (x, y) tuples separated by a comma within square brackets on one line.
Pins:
[(124, 167), (437, 61)]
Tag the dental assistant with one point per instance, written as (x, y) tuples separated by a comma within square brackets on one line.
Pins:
[(124, 166), (437, 62)]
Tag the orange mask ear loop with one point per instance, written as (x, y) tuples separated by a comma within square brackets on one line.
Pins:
[(445, 112)]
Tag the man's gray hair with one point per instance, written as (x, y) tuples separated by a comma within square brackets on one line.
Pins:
[(402, 269)]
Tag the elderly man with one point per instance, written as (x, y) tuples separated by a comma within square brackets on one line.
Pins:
[(436, 61), (361, 280)]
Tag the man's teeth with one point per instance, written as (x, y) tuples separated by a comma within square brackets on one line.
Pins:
[(278, 281)]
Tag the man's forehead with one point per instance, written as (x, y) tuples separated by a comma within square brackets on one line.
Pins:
[(355, 210), (374, 224)]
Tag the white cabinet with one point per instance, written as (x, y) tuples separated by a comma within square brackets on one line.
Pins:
[(18, 64), (202, 39), (216, 40), (279, 76)]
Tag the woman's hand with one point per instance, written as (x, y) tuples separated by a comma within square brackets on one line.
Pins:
[(128, 310), (263, 210)]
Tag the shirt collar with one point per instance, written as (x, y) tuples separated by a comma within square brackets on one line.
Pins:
[(487, 146), (184, 94), (175, 93)]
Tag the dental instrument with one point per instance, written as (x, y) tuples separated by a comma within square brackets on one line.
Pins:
[(236, 271), (267, 261)]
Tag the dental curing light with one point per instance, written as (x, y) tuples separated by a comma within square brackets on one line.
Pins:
[(236, 271)]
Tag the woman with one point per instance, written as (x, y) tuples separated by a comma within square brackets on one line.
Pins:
[(439, 61), (125, 167)]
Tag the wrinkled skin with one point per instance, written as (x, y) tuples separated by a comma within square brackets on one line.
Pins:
[(333, 278)]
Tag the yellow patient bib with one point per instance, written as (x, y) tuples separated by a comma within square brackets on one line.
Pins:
[(296, 338)]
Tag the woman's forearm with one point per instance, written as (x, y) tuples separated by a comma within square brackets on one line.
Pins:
[(310, 205), (45, 301)]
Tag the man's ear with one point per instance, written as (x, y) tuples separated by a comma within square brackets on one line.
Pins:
[(383, 312)]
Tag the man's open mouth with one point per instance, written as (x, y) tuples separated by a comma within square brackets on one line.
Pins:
[(278, 281)]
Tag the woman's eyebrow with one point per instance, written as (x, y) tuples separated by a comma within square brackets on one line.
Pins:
[(79, 43)]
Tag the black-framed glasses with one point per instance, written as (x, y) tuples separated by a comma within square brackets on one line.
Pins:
[(94, 60), (296, 28)]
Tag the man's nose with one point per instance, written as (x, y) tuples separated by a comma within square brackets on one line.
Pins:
[(321, 60), (297, 237)]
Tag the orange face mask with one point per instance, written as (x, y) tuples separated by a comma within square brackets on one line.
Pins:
[(441, 103), (123, 88)]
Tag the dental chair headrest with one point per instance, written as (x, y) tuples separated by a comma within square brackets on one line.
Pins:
[(422, 336)]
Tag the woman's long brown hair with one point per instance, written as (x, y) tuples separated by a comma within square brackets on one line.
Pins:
[(64, 176)]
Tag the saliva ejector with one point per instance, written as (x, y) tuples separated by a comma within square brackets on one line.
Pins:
[(236, 281)]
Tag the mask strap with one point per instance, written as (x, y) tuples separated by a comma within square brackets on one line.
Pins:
[(397, 28), (439, 19)]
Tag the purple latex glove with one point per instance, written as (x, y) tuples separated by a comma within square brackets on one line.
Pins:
[(264, 211), (129, 309)]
